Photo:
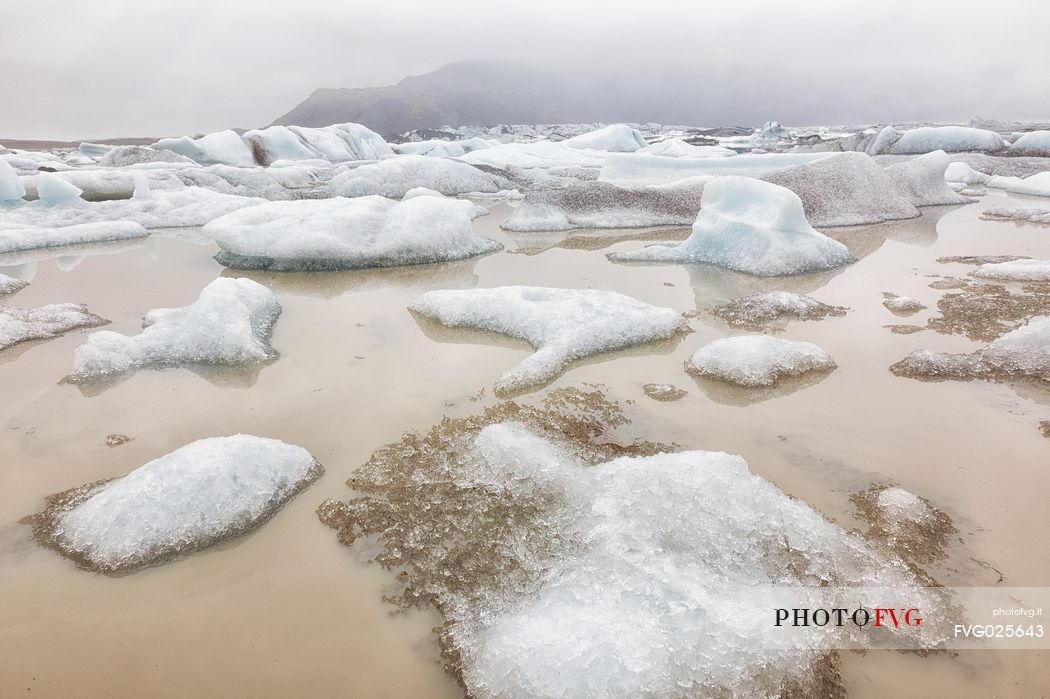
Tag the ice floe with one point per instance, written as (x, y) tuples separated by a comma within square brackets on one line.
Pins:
[(751, 226), (757, 360), (229, 324), (845, 189), (662, 591), (1020, 353), (1007, 213), (1016, 270), (200, 494), (31, 237), (340, 233), (561, 324), (25, 324)]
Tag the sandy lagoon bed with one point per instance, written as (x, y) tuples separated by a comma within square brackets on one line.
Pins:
[(288, 611)]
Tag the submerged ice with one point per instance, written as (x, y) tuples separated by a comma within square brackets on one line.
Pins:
[(562, 324)]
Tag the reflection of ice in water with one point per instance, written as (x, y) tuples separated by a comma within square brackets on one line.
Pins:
[(68, 258)]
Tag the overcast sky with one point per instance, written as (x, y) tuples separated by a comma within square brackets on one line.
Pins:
[(109, 68)]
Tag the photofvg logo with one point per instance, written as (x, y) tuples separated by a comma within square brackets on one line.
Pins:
[(932, 618), (860, 617)]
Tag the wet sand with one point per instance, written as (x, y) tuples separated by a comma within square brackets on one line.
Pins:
[(288, 611)]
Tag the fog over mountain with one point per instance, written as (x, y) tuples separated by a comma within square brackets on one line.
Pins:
[(113, 68)]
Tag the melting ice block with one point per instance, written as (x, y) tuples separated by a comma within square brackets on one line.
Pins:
[(1021, 353), (845, 189), (615, 138), (25, 324), (32, 237), (661, 589), (11, 188), (964, 174), (951, 139), (221, 147), (749, 226), (230, 323), (562, 324), (198, 495), (52, 189), (921, 180), (344, 233), (757, 360)]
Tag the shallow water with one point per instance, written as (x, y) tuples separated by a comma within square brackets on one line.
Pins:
[(287, 610)]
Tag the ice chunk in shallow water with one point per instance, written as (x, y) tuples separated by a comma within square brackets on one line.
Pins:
[(758, 309), (9, 285), (344, 233), (1006, 213), (11, 188), (22, 325), (899, 506), (1016, 270), (845, 189), (902, 305), (757, 360), (198, 495), (1022, 353), (230, 323), (52, 189), (31, 237), (562, 324), (921, 180), (660, 590), (751, 226)]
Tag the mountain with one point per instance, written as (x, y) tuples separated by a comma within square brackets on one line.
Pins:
[(464, 93)]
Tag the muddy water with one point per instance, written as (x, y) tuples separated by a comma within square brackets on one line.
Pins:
[(288, 611)]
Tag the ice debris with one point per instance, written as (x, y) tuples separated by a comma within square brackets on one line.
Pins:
[(759, 309), (25, 324), (1016, 271)]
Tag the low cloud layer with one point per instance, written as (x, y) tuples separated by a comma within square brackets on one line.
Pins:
[(112, 68)]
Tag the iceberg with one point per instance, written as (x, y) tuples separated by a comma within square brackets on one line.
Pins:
[(229, 324), (845, 189), (750, 226), (563, 325), (338, 233), (757, 360), (921, 180), (11, 188), (962, 173), (32, 237), (51, 189), (1020, 353), (1037, 185), (1016, 271), (25, 324), (276, 143), (615, 138), (1035, 143), (951, 139), (602, 205), (394, 177), (200, 494), (640, 169), (222, 147), (341, 143)]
